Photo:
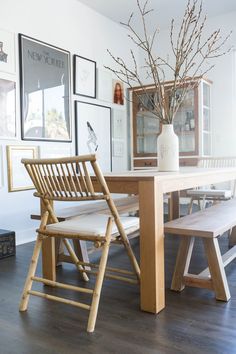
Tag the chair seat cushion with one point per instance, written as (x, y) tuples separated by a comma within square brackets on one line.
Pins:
[(211, 193), (93, 225)]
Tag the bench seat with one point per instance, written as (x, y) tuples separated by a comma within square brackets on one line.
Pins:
[(124, 205), (209, 193), (208, 224)]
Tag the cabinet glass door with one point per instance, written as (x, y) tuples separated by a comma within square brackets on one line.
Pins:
[(147, 131), (185, 124), (206, 124)]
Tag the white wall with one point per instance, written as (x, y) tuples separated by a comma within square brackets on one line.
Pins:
[(70, 25), (223, 88), (224, 93)]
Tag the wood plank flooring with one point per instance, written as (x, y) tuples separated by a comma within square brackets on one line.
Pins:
[(193, 321)]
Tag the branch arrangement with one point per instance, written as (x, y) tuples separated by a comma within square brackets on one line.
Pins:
[(192, 57)]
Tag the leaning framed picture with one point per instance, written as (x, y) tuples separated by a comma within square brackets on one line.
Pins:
[(18, 179), (84, 77), (7, 109), (7, 52), (93, 132), (45, 91)]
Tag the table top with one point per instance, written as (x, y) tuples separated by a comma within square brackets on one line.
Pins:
[(186, 177), (183, 171)]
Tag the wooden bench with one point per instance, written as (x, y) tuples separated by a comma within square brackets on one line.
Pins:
[(124, 205), (208, 224)]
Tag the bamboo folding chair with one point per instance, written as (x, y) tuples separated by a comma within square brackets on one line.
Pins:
[(68, 179)]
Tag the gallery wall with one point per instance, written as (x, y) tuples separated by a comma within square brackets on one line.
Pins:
[(74, 27)]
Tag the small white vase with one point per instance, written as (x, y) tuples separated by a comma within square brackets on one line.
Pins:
[(168, 149)]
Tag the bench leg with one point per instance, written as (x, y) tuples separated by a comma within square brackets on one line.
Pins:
[(182, 262), (190, 207), (217, 269), (232, 237)]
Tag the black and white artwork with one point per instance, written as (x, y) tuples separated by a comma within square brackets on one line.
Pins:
[(84, 77), (93, 132), (7, 52), (45, 91)]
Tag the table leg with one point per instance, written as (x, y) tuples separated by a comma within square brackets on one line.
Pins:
[(49, 259), (151, 247), (232, 237), (173, 206), (48, 254)]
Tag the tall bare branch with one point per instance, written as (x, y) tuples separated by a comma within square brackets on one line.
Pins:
[(192, 54)]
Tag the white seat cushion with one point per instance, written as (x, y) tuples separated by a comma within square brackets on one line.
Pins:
[(93, 225), (211, 193)]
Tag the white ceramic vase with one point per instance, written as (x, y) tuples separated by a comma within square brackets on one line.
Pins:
[(168, 149)]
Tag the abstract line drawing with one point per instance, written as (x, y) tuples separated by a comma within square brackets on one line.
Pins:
[(92, 139), (3, 55)]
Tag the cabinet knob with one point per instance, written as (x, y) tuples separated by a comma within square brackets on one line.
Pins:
[(148, 164)]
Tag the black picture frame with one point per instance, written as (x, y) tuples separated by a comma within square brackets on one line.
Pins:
[(93, 132), (45, 91), (84, 76)]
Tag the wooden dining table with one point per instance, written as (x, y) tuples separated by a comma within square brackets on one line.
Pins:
[(151, 186)]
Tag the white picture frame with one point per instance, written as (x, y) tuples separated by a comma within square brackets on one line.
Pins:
[(18, 178), (104, 85), (7, 109), (7, 52), (93, 132)]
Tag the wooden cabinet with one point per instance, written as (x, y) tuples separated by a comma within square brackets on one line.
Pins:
[(192, 124)]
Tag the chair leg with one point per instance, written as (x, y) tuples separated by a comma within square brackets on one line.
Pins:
[(28, 283), (99, 280), (182, 263), (33, 265), (81, 251), (75, 259), (131, 255), (216, 268), (124, 238)]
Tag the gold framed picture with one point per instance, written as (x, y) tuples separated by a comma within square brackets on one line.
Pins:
[(18, 179)]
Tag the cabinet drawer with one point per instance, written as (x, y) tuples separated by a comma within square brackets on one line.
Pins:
[(145, 163), (188, 162)]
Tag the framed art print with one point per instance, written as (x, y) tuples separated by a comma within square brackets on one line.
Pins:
[(18, 178), (84, 77), (118, 92), (93, 132), (7, 52), (104, 85), (45, 91), (7, 109)]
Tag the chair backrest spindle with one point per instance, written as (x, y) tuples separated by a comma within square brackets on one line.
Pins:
[(66, 179)]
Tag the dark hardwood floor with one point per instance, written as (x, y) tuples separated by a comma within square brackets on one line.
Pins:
[(193, 321)]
